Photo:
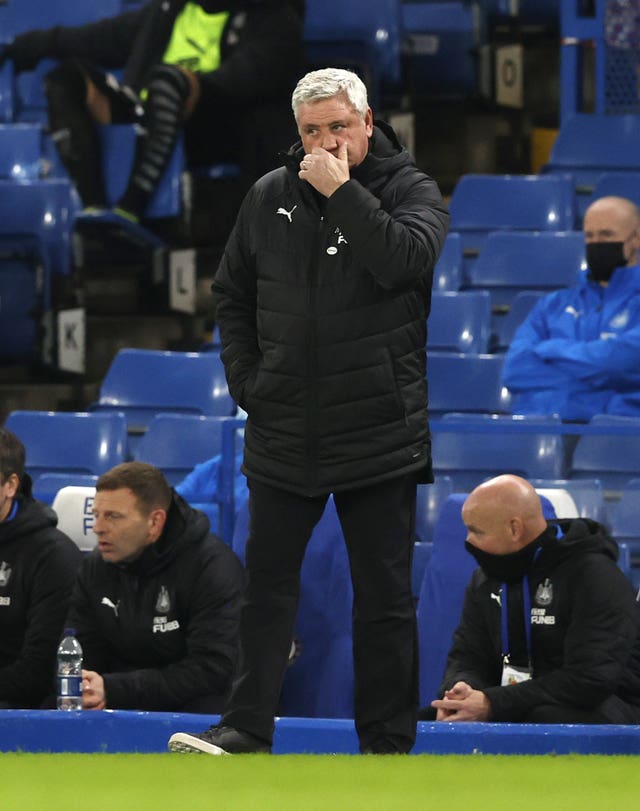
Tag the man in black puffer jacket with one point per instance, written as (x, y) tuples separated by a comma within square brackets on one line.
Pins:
[(222, 68), (322, 298), (38, 566), (550, 629), (157, 603)]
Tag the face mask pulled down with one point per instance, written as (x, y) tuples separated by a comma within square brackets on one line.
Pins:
[(505, 568)]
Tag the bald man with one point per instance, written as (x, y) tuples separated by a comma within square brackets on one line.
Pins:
[(578, 352), (550, 626)]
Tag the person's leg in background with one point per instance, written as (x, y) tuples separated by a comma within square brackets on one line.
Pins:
[(69, 90), (172, 95), (379, 528)]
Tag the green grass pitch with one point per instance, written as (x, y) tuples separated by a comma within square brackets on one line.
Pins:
[(103, 782)]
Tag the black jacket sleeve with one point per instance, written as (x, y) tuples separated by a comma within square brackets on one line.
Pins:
[(106, 42), (473, 657)]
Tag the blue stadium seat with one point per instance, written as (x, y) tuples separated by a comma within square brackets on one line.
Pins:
[(20, 151), (47, 485), (43, 211), (362, 35), (22, 304), (441, 40), (587, 496), (17, 16), (469, 457), (442, 593), (612, 458), (484, 203), (620, 184), (460, 322), (466, 382), (320, 682), (70, 442), (588, 145), (505, 325), (447, 274), (513, 261), (624, 521), (429, 501), (176, 443), (143, 382), (36, 220)]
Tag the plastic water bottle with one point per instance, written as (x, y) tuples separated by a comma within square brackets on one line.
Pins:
[(69, 672)]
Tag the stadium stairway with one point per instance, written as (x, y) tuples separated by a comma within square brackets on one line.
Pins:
[(145, 732)]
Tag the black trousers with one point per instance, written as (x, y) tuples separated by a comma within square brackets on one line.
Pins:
[(378, 523)]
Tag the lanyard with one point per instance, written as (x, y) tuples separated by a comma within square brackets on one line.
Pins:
[(504, 608), (526, 602)]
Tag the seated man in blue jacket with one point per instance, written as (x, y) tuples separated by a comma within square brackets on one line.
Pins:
[(578, 352), (157, 603)]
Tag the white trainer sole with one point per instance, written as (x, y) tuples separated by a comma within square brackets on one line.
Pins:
[(184, 743)]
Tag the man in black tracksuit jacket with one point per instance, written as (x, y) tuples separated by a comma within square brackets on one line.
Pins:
[(223, 68), (578, 659), (322, 298), (38, 566), (156, 607)]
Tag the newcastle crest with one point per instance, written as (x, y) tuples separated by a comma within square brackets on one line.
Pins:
[(544, 593)]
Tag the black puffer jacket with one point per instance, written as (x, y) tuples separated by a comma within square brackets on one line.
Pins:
[(261, 45), (585, 629), (38, 566), (322, 306)]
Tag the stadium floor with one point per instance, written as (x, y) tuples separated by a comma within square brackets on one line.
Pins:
[(123, 731)]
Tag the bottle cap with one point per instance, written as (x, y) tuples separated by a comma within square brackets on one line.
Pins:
[(69, 632)]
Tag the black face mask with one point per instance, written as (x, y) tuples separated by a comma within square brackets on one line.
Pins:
[(505, 568), (603, 258)]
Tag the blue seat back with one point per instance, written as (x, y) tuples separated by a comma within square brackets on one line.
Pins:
[(319, 684), (466, 382), (144, 382), (460, 322), (441, 39), (588, 145), (176, 443), (47, 485), (587, 495), (20, 151), (513, 261), (447, 274), (70, 442), (362, 35), (44, 211), (619, 184), (442, 593), (470, 457), (484, 203), (21, 303), (611, 458), (429, 501), (17, 16), (505, 325)]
